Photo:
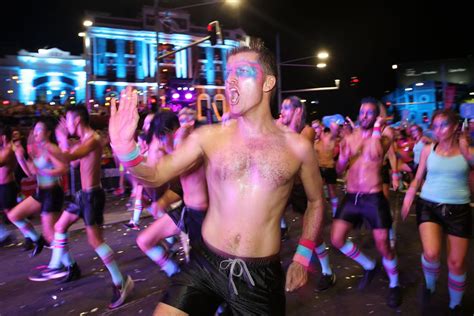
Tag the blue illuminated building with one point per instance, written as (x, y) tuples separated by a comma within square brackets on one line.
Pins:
[(119, 52), (424, 87), (122, 52), (50, 75)]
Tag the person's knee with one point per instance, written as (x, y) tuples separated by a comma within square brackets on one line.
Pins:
[(60, 227), (143, 242), (456, 265), (12, 216), (431, 255), (337, 240)]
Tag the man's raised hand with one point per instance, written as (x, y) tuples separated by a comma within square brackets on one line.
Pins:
[(124, 120)]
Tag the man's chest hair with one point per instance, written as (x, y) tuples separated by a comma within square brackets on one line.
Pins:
[(270, 163)]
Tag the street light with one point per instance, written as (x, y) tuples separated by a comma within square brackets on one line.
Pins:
[(86, 45), (322, 56)]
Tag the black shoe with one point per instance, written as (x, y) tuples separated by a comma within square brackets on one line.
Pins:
[(131, 225), (457, 310), (394, 298), (6, 241), (72, 273), (28, 244), (368, 276), (426, 297), (284, 233), (38, 247), (326, 281)]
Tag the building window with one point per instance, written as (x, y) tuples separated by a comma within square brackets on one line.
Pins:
[(111, 47), (130, 49)]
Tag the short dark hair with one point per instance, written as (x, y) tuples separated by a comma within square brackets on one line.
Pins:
[(163, 123), (5, 130), (265, 57), (373, 101), (81, 111)]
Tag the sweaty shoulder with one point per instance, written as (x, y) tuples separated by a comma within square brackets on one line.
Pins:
[(299, 144)]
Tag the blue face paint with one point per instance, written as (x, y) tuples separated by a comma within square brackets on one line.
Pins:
[(442, 124), (243, 70)]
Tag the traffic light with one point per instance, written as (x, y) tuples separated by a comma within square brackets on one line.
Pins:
[(354, 82), (214, 32)]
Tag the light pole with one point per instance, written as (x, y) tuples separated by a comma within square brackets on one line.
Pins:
[(322, 56), (85, 36)]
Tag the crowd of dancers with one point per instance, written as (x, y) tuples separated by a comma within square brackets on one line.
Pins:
[(235, 181)]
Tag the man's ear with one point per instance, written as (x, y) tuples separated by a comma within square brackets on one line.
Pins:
[(269, 83)]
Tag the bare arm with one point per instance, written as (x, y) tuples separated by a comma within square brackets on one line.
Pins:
[(170, 166), (5, 156), (26, 165), (59, 168), (415, 184), (297, 274)]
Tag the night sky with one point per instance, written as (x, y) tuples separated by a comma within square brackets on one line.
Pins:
[(364, 38)]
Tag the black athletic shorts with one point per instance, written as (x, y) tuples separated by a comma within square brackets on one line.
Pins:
[(455, 219), (386, 173), (188, 220), (329, 175), (8, 193), (51, 199), (89, 205), (175, 186), (211, 278), (154, 193), (372, 209), (298, 199)]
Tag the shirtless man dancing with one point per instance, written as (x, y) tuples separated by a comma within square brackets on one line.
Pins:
[(293, 115), (362, 152), (250, 165), (89, 205)]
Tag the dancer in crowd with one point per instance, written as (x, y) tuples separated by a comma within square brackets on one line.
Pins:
[(250, 165), (49, 197), (89, 205), (293, 116), (362, 154), (443, 207), (187, 219), (8, 187)]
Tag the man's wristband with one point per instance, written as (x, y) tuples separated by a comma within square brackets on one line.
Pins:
[(304, 252), (396, 174), (377, 133), (132, 158)]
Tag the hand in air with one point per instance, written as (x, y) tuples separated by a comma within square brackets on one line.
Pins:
[(123, 121), (61, 131), (296, 277)]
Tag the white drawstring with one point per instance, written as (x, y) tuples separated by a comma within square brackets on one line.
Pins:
[(232, 263), (357, 197)]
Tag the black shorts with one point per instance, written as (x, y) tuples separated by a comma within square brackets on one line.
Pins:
[(329, 175), (8, 193), (372, 209), (386, 173), (51, 199), (188, 220), (455, 219), (89, 205), (207, 281), (298, 199), (154, 193), (175, 186)]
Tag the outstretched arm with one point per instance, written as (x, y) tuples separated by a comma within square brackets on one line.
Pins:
[(122, 126), (297, 274)]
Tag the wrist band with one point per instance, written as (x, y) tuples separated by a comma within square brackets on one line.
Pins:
[(131, 159), (304, 252), (396, 174), (377, 132)]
